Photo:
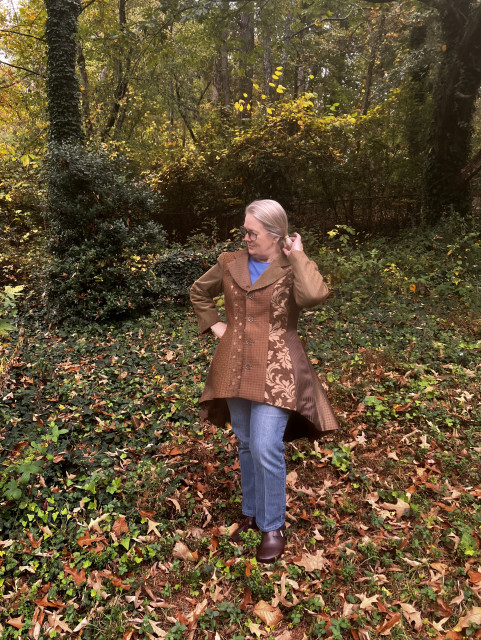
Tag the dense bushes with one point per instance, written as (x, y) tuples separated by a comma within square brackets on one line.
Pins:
[(22, 198), (100, 224), (292, 156)]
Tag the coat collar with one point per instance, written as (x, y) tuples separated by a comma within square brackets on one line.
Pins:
[(239, 270)]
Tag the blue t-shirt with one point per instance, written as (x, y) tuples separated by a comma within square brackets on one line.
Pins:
[(256, 268)]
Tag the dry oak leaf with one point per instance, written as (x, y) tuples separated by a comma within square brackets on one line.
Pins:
[(366, 603), (37, 620), (256, 629), (159, 633), (384, 629), (401, 507), (183, 552), (474, 577), (313, 561), (439, 625), (78, 576), (291, 478), (43, 602), (16, 622), (120, 526), (269, 615), (175, 503), (153, 527), (412, 616), (57, 624), (472, 617), (285, 635)]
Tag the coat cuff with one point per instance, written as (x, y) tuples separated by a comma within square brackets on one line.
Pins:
[(208, 319)]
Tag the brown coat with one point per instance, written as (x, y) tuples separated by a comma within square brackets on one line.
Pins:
[(260, 356)]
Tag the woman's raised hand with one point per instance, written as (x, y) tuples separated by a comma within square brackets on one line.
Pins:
[(293, 243), (218, 329)]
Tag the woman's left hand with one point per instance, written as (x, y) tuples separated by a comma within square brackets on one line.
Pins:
[(293, 244)]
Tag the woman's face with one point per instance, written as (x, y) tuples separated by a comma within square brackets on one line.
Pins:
[(265, 247)]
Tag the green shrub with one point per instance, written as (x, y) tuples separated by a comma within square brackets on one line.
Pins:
[(100, 228)]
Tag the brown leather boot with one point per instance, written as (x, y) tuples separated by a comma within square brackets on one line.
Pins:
[(249, 522), (272, 545)]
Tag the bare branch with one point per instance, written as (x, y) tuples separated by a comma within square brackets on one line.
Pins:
[(86, 5), (318, 24), (14, 66), (429, 3), (24, 35)]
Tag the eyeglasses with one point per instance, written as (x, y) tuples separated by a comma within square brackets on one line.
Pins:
[(251, 234)]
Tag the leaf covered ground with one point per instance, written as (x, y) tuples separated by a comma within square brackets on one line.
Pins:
[(116, 503)]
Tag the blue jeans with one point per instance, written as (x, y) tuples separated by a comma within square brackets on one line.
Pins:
[(260, 428)]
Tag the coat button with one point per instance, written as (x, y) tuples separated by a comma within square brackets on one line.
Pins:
[(250, 296), (248, 367), (250, 318), (249, 342)]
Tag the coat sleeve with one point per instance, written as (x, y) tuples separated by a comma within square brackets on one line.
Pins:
[(202, 294), (309, 286)]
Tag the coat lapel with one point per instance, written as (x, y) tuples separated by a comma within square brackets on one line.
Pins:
[(239, 270)]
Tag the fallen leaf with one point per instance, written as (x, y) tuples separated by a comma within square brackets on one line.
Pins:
[(37, 621), (269, 615), (120, 526), (384, 629), (78, 576), (160, 633), (198, 611), (35, 543), (458, 599), (443, 607), (474, 577), (117, 582), (313, 561), (16, 622), (82, 624), (50, 604), (153, 527), (412, 615), (183, 552), (439, 625), (246, 600), (175, 503), (472, 617), (256, 629), (401, 507), (366, 603), (291, 478), (57, 624)]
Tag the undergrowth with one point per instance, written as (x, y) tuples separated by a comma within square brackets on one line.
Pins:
[(116, 503)]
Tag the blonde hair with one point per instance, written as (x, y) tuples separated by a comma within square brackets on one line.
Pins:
[(272, 216)]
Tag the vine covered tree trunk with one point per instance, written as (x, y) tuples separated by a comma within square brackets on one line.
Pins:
[(458, 82), (246, 36), (63, 92)]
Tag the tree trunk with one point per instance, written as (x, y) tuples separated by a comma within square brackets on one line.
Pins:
[(85, 95), (457, 85), (221, 85), (122, 76), (246, 34), (63, 92), (375, 40), (267, 60), (418, 91)]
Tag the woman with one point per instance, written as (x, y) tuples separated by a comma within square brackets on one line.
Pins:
[(260, 379)]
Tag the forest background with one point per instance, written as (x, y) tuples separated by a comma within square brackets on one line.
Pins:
[(133, 135)]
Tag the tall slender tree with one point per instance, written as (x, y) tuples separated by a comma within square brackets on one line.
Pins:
[(63, 92)]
